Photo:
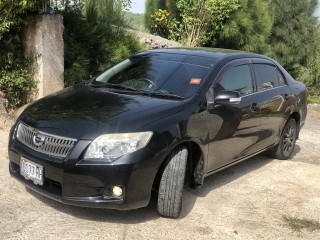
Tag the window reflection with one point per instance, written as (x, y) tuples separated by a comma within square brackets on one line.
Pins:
[(158, 72)]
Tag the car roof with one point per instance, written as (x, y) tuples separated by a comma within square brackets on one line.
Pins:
[(217, 53), (221, 55)]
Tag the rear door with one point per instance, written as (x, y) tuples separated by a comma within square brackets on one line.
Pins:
[(275, 100), (233, 129)]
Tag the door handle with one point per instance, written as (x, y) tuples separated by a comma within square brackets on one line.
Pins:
[(254, 107)]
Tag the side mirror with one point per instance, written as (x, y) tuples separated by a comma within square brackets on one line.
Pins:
[(226, 97)]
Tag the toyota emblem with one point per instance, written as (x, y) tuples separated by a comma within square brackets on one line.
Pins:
[(38, 139)]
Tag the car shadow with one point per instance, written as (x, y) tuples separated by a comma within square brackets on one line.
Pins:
[(226, 176), (104, 215), (296, 150), (222, 178), (150, 212)]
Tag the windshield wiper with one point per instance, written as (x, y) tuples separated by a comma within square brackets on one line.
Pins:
[(112, 85), (164, 94)]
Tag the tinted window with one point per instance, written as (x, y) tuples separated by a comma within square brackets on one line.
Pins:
[(267, 76), (236, 79), (157, 72)]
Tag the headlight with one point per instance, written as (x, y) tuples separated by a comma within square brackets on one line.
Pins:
[(113, 146)]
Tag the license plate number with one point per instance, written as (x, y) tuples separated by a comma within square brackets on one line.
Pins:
[(31, 171)]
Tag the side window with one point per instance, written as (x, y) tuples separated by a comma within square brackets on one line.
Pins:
[(268, 76), (235, 79)]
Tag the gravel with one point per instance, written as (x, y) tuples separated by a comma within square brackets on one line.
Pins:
[(153, 42), (246, 201)]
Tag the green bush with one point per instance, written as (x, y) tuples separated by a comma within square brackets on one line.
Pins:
[(16, 71), (313, 99), (16, 79), (92, 43)]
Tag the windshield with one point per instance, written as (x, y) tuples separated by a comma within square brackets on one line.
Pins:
[(166, 73)]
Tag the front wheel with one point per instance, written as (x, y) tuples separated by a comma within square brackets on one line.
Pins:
[(287, 141), (172, 183)]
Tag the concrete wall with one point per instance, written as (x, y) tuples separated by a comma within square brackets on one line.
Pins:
[(44, 36)]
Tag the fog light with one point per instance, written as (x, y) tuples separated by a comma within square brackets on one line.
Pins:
[(117, 191)]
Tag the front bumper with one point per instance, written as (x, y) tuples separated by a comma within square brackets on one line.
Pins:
[(81, 184)]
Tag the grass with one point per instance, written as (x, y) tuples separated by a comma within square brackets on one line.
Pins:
[(298, 224), (313, 99)]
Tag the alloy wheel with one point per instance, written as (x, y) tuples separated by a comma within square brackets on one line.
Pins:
[(289, 139)]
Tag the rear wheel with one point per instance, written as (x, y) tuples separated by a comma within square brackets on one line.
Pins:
[(172, 183), (287, 141)]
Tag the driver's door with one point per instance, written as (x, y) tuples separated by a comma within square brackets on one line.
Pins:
[(233, 129)]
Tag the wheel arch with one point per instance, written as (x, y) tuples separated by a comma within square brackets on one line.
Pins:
[(296, 116), (195, 171)]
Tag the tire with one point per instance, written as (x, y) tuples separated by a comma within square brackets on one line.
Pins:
[(287, 141), (172, 183)]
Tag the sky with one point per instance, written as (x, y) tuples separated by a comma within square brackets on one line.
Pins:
[(137, 6), (317, 13)]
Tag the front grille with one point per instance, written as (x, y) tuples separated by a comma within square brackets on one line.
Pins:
[(43, 142)]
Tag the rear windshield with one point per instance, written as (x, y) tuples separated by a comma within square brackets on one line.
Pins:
[(169, 73)]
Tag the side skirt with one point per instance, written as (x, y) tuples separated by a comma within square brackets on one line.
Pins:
[(238, 161)]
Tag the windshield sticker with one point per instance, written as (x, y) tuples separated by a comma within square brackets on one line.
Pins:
[(195, 81)]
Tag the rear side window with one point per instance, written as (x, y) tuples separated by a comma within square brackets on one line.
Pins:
[(236, 79), (268, 76)]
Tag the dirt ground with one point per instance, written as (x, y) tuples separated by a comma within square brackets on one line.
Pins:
[(247, 201)]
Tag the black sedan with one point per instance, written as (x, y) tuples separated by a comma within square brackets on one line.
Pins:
[(156, 121)]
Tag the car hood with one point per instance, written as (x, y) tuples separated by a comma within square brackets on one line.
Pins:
[(84, 112)]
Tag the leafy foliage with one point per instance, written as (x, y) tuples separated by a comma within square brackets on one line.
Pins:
[(293, 38), (193, 22), (12, 12), (200, 20), (163, 24), (16, 71), (95, 38), (248, 28), (310, 74), (16, 80), (151, 6)]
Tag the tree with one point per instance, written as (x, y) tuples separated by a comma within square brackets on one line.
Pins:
[(108, 12), (161, 23), (193, 22), (11, 11), (151, 6), (248, 28), (310, 74), (294, 32), (95, 37), (201, 19), (16, 70)]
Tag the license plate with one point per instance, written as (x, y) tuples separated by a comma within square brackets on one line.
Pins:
[(31, 171)]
